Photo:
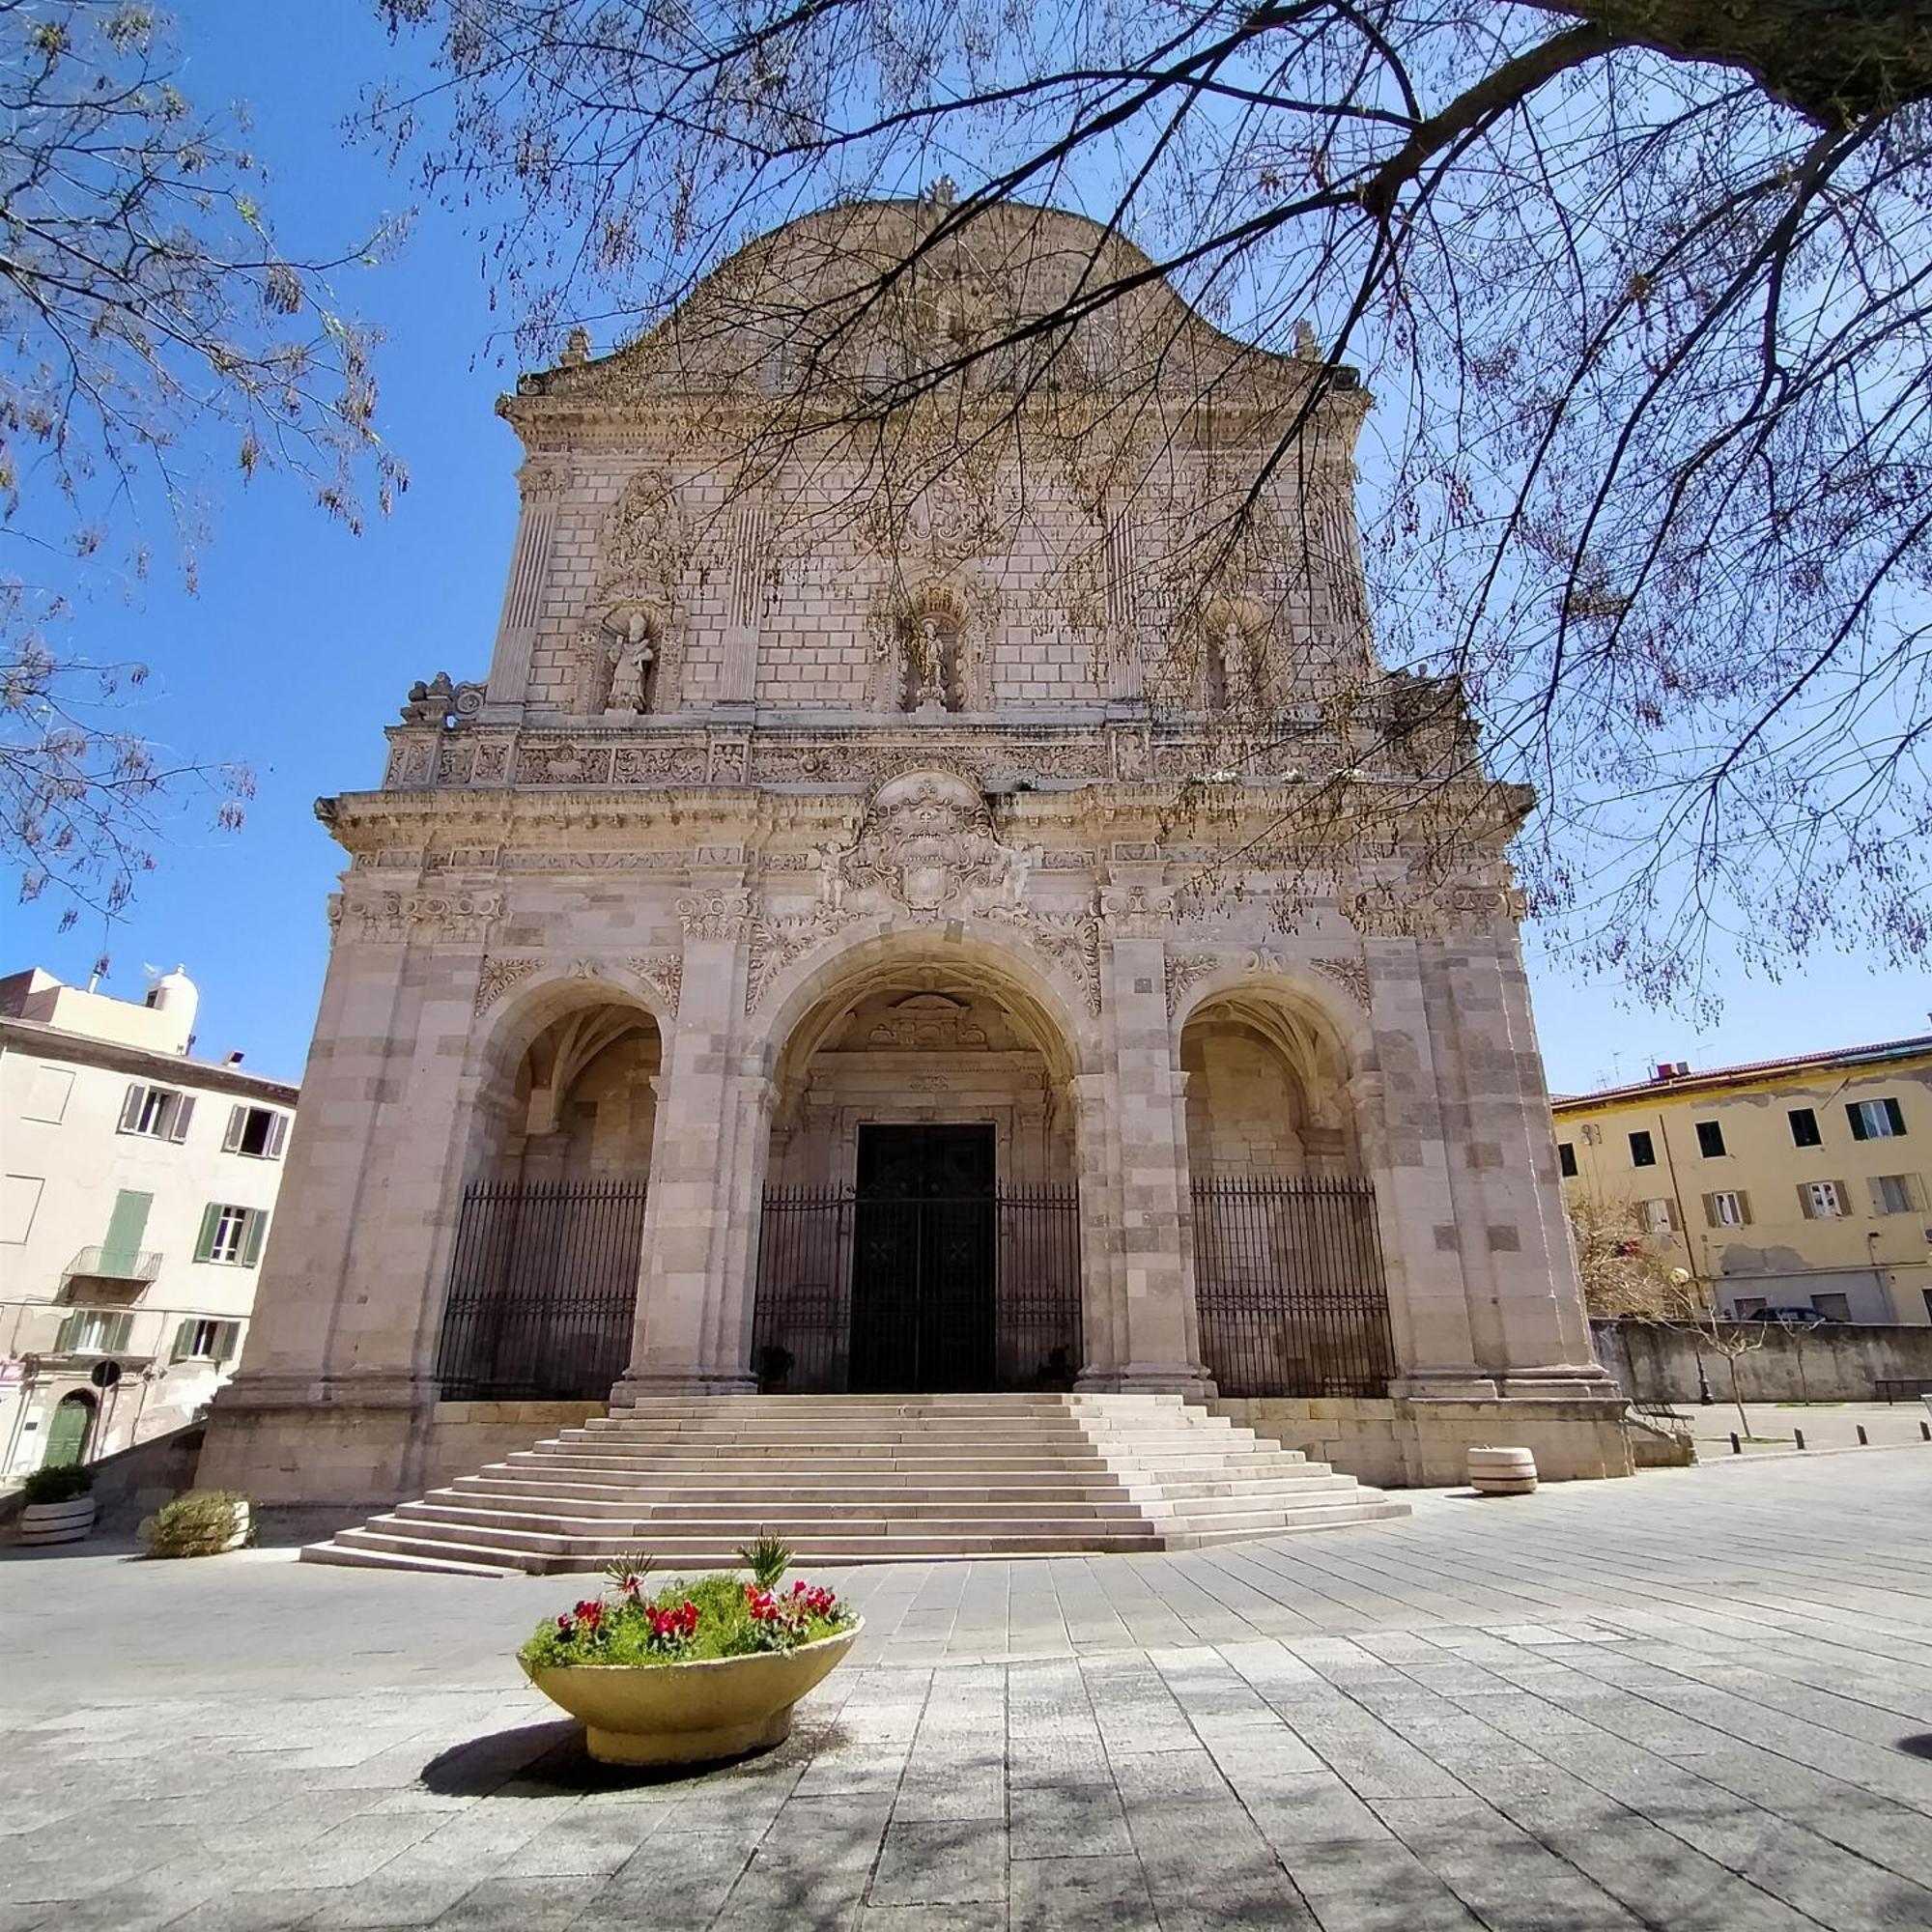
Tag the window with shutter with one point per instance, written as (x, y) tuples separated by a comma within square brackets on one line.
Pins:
[(237, 1120), (253, 1236), (131, 1109), (1895, 1194), (126, 1226), (1804, 1127), (1875, 1119), (1727, 1210), (1822, 1200)]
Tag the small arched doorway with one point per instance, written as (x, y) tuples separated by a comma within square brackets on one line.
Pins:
[(67, 1433), (920, 1232), (542, 1286), (1290, 1288)]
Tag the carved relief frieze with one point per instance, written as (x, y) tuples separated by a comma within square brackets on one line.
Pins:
[(659, 764), (562, 764), (1071, 861), (548, 861), (730, 761), (646, 546), (929, 1022), (1384, 909), (497, 977), (412, 759), (436, 917)]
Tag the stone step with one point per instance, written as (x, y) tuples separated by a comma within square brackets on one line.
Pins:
[(867, 1479), (364, 1554)]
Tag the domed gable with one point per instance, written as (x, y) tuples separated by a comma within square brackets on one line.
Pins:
[(887, 298)]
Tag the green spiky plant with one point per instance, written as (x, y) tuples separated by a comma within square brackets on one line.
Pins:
[(766, 1559), (628, 1571)]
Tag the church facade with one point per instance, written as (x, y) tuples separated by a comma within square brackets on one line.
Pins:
[(925, 898)]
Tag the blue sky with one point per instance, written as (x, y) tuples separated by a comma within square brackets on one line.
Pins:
[(303, 639)]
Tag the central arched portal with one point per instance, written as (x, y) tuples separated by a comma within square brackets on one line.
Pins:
[(920, 1232)]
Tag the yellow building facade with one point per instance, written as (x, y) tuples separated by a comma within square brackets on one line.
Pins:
[(1790, 1183)]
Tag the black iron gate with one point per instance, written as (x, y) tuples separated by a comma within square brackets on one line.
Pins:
[(1288, 1284), (920, 1295), (543, 1291)]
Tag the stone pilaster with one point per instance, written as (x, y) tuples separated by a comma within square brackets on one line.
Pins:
[(1417, 1199), (539, 482), (1157, 1333), (707, 1168)]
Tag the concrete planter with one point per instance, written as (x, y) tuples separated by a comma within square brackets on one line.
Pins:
[(1502, 1473), (691, 1713), (57, 1522)]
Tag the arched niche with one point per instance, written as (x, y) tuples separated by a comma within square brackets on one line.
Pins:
[(570, 1088), (1268, 1088)]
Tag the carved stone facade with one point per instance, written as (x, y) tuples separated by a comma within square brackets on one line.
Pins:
[(782, 817)]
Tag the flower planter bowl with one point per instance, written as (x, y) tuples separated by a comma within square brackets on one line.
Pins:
[(691, 1713), (57, 1522), (1502, 1473)]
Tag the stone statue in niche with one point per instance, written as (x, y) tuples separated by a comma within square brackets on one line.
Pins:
[(632, 657), (935, 678), (1234, 666)]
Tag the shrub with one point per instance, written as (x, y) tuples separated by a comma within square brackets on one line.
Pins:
[(200, 1524), (64, 1482), (685, 1623)]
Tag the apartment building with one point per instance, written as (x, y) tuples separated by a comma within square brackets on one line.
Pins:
[(136, 1186), (1788, 1184)]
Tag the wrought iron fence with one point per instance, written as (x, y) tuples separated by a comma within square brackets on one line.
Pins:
[(917, 1294), (1288, 1284), (543, 1291)]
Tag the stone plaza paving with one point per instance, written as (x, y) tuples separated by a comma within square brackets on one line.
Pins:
[(1701, 1698)]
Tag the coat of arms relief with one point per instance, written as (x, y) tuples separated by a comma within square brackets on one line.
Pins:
[(926, 851)]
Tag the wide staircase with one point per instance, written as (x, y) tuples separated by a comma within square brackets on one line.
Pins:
[(866, 1479)]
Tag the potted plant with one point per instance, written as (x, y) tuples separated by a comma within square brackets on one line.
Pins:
[(698, 1670), (59, 1504), (204, 1523)]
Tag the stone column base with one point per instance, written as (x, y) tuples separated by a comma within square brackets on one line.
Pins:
[(641, 1384), (340, 1442), (1183, 1378)]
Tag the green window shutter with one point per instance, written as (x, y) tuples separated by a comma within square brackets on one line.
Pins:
[(126, 1226), (228, 1342), (184, 1338), (63, 1341), (1895, 1114), (204, 1243), (253, 1236), (1856, 1119)]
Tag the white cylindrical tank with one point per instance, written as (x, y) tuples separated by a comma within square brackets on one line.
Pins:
[(178, 996)]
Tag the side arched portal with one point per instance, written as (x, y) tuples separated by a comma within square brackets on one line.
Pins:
[(1290, 1288), (544, 1272)]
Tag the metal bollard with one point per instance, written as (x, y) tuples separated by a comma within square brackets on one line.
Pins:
[(1925, 1431), (1737, 1447), (1864, 1440), (1800, 1434)]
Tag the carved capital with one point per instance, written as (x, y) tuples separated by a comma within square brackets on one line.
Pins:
[(724, 913)]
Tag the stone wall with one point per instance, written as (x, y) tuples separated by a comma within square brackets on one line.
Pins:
[(1424, 1444), (1840, 1363)]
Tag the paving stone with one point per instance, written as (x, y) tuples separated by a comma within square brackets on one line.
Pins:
[(959, 1863)]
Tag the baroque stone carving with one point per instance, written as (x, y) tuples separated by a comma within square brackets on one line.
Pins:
[(1137, 912), (441, 704), (1185, 972), (562, 764), (663, 974), (724, 913), (646, 547), (928, 1021), (1350, 975), (1385, 910), (657, 764), (777, 942), (451, 917), (410, 761), (497, 977), (926, 845)]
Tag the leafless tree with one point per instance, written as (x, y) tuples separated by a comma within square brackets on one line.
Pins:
[(147, 320), (1642, 287)]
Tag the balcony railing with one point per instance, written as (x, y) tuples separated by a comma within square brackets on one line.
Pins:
[(113, 1265)]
